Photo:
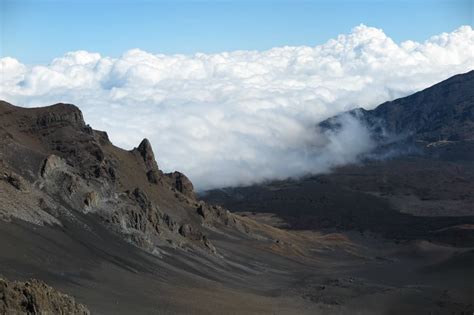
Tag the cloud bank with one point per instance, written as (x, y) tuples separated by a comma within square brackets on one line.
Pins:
[(244, 116)]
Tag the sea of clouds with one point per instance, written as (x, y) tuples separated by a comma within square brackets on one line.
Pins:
[(240, 117)]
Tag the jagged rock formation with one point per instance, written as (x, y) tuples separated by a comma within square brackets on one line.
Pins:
[(67, 166), (35, 297), (151, 167)]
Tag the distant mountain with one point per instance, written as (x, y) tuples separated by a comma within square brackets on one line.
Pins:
[(431, 175), (442, 112)]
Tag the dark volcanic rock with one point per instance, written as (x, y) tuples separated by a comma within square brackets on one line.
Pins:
[(60, 114), (181, 183), (151, 167)]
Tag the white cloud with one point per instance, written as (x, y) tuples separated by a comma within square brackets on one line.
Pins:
[(243, 116)]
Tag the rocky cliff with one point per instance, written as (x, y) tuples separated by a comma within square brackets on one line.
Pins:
[(53, 165)]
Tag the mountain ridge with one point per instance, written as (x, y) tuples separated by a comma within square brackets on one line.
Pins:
[(424, 114)]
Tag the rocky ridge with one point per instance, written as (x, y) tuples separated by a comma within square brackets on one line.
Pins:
[(56, 164), (440, 114)]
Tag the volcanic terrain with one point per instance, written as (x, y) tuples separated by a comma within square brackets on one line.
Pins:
[(393, 234)]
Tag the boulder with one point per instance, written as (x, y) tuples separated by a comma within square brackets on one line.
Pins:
[(35, 297), (52, 163)]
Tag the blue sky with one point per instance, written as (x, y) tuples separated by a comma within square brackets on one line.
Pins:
[(35, 31)]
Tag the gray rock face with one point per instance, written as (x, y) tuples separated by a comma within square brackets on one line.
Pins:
[(69, 168), (35, 297), (91, 199), (52, 163)]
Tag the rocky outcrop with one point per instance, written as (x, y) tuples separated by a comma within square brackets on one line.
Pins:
[(215, 213), (71, 168), (15, 180), (35, 297), (60, 113), (151, 167), (91, 199), (20, 199), (181, 183), (52, 163)]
